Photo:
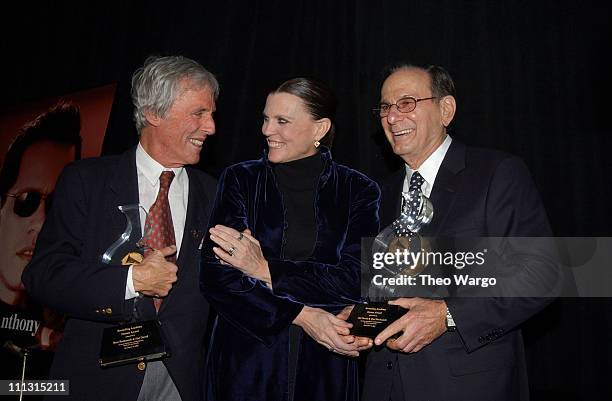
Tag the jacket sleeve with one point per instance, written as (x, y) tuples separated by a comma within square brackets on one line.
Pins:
[(62, 275), (333, 285), (243, 301), (513, 209)]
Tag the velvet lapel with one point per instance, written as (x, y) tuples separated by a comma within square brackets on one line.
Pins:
[(268, 213), (444, 189)]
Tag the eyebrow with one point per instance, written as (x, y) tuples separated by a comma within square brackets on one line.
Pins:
[(29, 188), (205, 109), (277, 116), (400, 98)]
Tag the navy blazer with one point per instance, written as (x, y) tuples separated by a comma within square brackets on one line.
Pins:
[(66, 274), (248, 357), (477, 193)]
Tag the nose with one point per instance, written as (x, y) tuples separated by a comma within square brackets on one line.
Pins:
[(394, 114), (35, 222), (208, 125), (266, 128)]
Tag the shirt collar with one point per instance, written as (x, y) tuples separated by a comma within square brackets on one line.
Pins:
[(150, 168), (429, 168)]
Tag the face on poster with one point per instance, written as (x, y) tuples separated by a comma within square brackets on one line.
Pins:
[(33, 166)]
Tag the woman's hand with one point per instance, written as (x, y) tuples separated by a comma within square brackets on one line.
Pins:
[(362, 343), (330, 331), (242, 251)]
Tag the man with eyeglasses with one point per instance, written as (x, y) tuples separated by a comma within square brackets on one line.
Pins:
[(27, 181), (451, 348)]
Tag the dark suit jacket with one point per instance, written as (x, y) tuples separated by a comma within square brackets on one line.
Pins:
[(477, 192), (67, 274)]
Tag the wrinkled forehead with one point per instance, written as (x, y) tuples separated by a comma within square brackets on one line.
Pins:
[(406, 82)]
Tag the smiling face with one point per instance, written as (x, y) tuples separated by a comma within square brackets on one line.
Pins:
[(415, 135), (290, 129), (176, 139), (40, 166)]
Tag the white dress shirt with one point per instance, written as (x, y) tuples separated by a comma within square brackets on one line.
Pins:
[(149, 170), (429, 168)]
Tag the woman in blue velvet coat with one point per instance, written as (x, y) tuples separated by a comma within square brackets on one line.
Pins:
[(282, 260)]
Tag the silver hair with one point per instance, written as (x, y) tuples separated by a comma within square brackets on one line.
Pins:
[(156, 84)]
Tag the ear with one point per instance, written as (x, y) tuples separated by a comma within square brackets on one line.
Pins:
[(323, 127), (448, 106), (152, 118)]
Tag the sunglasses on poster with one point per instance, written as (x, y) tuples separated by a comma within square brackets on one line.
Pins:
[(26, 203)]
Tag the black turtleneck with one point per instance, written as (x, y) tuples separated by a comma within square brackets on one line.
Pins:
[(297, 181)]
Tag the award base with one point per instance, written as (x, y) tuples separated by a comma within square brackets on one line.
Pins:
[(370, 319), (132, 342)]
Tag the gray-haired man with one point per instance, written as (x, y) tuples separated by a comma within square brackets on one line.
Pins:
[(174, 98)]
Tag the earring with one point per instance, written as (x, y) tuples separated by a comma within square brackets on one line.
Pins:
[(317, 144)]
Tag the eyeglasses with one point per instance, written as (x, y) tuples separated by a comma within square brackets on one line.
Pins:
[(404, 105), (26, 203)]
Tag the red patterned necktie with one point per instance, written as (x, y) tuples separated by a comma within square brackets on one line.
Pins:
[(159, 222)]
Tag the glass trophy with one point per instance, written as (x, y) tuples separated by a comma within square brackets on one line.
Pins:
[(402, 235), (135, 255), (137, 340)]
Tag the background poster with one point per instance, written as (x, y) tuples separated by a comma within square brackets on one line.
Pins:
[(36, 141)]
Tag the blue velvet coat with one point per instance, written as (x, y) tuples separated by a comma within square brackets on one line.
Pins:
[(248, 358)]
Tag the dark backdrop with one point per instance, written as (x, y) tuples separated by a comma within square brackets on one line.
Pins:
[(532, 79)]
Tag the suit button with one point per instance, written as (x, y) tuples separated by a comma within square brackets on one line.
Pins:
[(141, 366), (389, 365), (108, 311)]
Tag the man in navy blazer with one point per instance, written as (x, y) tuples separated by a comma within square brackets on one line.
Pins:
[(174, 99), (452, 348)]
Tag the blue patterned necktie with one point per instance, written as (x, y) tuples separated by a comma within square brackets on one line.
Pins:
[(416, 182)]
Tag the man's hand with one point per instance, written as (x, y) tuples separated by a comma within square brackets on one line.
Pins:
[(423, 323), (328, 330), (155, 275)]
